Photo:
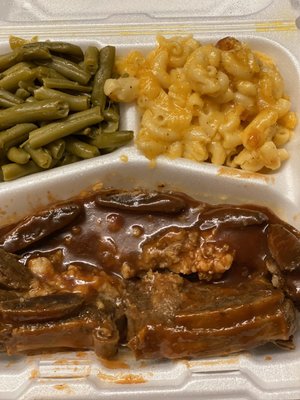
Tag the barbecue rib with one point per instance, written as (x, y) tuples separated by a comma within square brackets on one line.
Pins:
[(167, 275), (204, 320)]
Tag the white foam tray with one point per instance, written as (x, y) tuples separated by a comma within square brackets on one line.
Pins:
[(264, 373)]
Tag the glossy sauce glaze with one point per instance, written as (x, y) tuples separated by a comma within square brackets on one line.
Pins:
[(105, 233), (104, 237), (79, 249)]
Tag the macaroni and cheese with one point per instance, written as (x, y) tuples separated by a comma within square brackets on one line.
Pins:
[(222, 103)]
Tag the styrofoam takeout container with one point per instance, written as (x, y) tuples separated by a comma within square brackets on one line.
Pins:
[(268, 26)]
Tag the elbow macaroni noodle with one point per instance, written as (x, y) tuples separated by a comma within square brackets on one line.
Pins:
[(222, 103)]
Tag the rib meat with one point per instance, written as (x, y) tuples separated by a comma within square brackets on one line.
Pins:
[(169, 317), (13, 275), (90, 329), (166, 275)]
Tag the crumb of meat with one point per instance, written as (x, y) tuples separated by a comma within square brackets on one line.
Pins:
[(41, 267), (184, 251), (127, 270), (277, 279), (43, 274), (56, 257), (85, 280)]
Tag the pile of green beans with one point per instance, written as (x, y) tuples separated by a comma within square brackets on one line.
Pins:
[(53, 110)]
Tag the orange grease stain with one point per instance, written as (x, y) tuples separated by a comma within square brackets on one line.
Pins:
[(63, 387), (124, 158), (114, 364), (34, 374), (64, 361), (229, 361), (81, 354), (128, 379), (238, 173)]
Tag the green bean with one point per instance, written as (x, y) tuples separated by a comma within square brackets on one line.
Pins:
[(4, 103), (13, 171), (30, 86), (42, 72), (111, 113), (22, 54), (30, 112), (15, 135), (108, 150), (16, 67), (57, 130), (71, 118), (11, 81), (30, 99), (63, 48), (18, 155), (34, 54), (76, 103), (81, 149), (54, 163), (56, 83), (22, 93), (105, 140), (106, 61), (68, 159), (8, 60), (41, 157), (110, 126), (84, 132), (16, 41), (69, 70), (3, 159), (112, 117), (94, 131), (64, 72), (9, 97), (57, 148), (91, 57), (87, 131)]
